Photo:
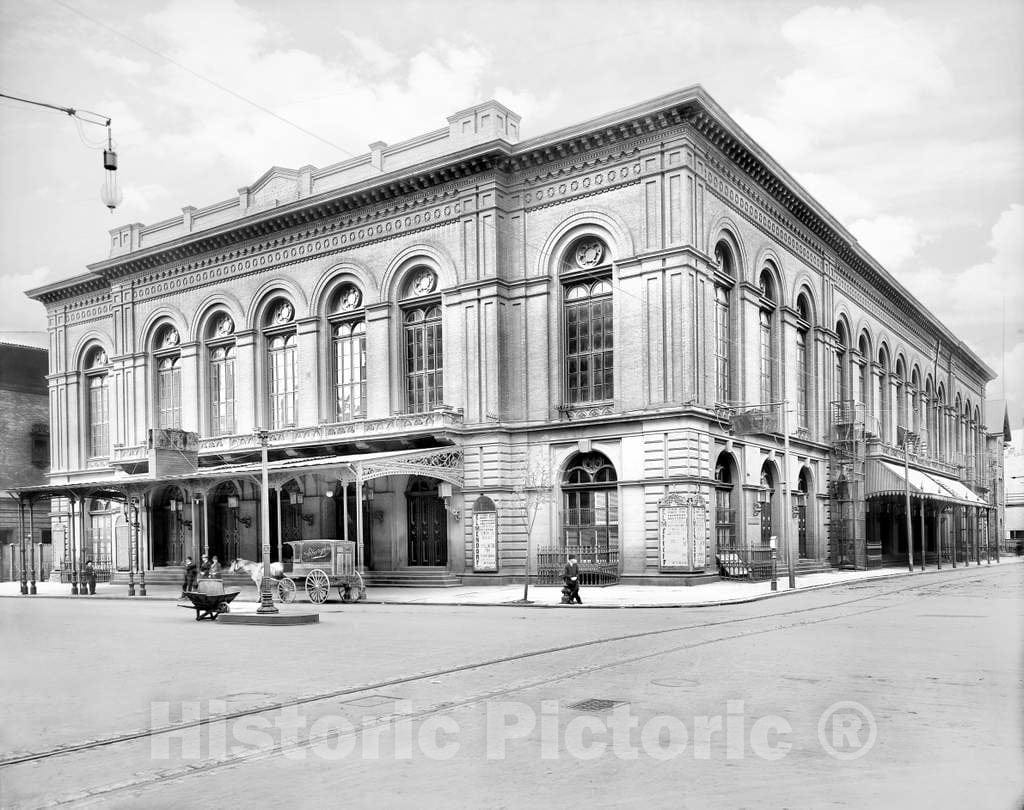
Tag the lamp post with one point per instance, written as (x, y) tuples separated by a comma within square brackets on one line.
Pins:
[(21, 545), (907, 439), (266, 599), (31, 551)]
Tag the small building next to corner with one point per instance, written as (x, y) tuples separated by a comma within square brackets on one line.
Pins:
[(25, 533)]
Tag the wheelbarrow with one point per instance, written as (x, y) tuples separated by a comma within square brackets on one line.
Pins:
[(210, 599)]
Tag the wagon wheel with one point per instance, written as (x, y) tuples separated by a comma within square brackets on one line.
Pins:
[(318, 586), (286, 589)]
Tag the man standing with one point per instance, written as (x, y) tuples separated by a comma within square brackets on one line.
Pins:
[(190, 577), (571, 575), (204, 567), (90, 577)]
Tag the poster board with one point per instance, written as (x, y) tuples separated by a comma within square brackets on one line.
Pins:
[(683, 533), (485, 536)]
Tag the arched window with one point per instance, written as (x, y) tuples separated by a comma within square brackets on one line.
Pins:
[(725, 278), (928, 406), (842, 368), (348, 331), (281, 348), (767, 316), (725, 502), (590, 521), (97, 404), (941, 423), (901, 396), (167, 354), (220, 346), (917, 424), (804, 363), (424, 346), (589, 326), (863, 392), (882, 399)]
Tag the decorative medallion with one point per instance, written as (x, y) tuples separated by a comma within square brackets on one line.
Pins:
[(169, 339), (224, 326), (589, 253), (283, 313), (424, 283), (349, 299)]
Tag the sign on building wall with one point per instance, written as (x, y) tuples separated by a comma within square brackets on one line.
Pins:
[(683, 533), (485, 535)]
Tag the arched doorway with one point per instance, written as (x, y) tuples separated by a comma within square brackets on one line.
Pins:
[(766, 500), (590, 519), (800, 502), (428, 523), (725, 502)]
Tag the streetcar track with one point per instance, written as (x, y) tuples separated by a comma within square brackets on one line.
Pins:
[(407, 679), (262, 754)]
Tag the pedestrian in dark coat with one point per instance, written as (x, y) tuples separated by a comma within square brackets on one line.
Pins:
[(215, 569), (204, 567), (571, 577), (90, 577), (191, 574)]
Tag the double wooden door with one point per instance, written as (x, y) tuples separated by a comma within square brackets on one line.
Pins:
[(428, 525)]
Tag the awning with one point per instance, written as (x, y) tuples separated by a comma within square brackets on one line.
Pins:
[(883, 479), (959, 491), (443, 462)]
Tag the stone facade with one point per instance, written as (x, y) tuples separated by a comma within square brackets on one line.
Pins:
[(605, 301)]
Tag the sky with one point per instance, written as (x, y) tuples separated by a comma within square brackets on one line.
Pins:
[(904, 119)]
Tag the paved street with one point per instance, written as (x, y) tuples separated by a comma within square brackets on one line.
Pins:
[(884, 692)]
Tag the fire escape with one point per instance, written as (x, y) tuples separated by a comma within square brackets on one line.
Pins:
[(846, 485)]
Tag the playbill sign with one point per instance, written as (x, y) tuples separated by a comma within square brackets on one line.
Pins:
[(683, 530), (485, 535)]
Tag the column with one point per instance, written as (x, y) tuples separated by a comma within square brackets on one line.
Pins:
[(247, 410), (378, 353), (308, 374), (190, 387)]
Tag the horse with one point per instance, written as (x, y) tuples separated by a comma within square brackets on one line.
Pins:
[(255, 571)]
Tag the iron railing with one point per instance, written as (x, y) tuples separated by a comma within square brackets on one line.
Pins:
[(737, 562), (598, 565)]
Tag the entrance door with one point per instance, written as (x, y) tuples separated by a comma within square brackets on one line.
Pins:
[(428, 524), (801, 528)]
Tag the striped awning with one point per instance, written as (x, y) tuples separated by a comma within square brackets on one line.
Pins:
[(883, 478)]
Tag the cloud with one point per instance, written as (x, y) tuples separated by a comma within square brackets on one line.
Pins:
[(983, 305), (112, 62), (24, 321), (891, 240)]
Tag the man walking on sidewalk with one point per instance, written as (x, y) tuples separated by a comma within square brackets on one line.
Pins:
[(571, 575)]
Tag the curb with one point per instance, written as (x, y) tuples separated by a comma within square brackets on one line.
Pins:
[(743, 600)]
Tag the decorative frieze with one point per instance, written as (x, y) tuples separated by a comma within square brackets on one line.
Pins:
[(402, 423), (585, 185)]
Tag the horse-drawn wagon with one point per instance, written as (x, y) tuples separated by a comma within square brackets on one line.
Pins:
[(320, 565)]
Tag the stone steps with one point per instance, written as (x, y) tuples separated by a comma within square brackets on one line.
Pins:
[(412, 578)]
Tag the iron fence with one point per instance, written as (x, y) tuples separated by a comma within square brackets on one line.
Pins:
[(753, 564), (598, 565)]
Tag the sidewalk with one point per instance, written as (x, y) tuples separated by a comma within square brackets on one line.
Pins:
[(724, 592)]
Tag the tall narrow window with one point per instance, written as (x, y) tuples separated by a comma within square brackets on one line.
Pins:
[(281, 357), (169, 392), (424, 359), (803, 365), (589, 348), (350, 370), (221, 381), (98, 404), (348, 330), (723, 337), (167, 357), (767, 339), (901, 395), (282, 387), (842, 382)]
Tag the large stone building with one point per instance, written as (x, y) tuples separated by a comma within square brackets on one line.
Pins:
[(24, 459), (476, 352)]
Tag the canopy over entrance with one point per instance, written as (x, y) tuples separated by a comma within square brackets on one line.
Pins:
[(885, 479)]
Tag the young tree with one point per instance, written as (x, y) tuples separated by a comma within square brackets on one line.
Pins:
[(535, 489)]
